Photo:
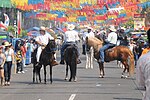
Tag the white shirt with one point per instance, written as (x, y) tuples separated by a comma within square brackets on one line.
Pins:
[(8, 54), (143, 74), (71, 36), (112, 38), (86, 34), (44, 38), (91, 34)]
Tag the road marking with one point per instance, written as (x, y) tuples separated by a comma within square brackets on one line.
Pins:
[(72, 96)]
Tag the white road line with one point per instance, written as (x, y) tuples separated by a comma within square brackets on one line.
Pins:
[(72, 96)]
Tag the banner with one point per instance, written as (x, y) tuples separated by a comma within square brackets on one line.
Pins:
[(139, 23), (19, 22), (6, 22)]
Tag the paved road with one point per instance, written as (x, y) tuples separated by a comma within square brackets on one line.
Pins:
[(88, 86)]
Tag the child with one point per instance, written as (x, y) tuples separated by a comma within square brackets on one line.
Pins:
[(2, 61), (19, 61)]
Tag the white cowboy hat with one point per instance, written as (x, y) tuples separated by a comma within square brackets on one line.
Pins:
[(89, 28), (70, 26), (42, 28), (7, 44), (112, 28), (123, 28)]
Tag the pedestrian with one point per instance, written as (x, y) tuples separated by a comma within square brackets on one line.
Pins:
[(9, 53), (2, 61), (143, 71)]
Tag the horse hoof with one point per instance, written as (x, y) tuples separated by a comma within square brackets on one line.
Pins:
[(122, 76), (75, 79), (101, 76), (66, 78)]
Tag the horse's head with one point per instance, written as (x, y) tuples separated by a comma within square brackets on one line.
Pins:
[(94, 42), (51, 46)]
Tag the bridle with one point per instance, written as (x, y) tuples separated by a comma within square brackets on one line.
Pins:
[(50, 50)]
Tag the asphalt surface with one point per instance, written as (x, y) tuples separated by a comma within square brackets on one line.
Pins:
[(87, 87)]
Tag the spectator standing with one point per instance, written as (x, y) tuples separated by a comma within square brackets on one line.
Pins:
[(23, 51), (2, 61), (143, 71), (9, 53)]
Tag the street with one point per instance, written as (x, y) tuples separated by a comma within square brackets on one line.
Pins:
[(87, 87)]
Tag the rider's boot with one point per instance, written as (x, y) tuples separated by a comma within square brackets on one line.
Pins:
[(78, 61), (54, 63)]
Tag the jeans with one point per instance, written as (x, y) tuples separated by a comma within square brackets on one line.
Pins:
[(83, 49), (102, 50), (65, 45), (7, 70)]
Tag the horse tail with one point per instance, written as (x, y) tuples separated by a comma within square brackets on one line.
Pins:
[(131, 65)]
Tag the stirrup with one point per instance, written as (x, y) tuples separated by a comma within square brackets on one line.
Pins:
[(62, 62)]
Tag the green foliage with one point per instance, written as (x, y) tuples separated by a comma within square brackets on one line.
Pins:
[(129, 23), (13, 29), (23, 33)]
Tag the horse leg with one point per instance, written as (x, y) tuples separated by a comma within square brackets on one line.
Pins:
[(91, 59), (101, 68), (44, 74), (126, 67), (74, 68), (87, 60), (66, 77), (71, 73), (39, 72), (33, 73), (51, 74), (75, 71)]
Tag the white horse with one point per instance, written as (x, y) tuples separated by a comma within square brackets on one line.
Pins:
[(89, 57)]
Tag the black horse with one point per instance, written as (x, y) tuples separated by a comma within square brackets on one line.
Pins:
[(71, 58), (46, 58), (36, 69)]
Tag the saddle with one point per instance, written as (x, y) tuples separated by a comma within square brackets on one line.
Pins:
[(110, 49)]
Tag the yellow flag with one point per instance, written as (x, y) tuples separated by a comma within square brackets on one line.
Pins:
[(19, 2)]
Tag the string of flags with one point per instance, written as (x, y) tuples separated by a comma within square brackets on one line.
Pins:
[(99, 11)]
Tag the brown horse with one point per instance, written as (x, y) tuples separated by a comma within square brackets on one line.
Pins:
[(121, 53)]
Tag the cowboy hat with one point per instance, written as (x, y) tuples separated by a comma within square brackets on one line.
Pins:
[(7, 44), (42, 28), (123, 28), (89, 28), (112, 28), (70, 26)]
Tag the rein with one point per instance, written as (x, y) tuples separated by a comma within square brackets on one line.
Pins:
[(51, 50)]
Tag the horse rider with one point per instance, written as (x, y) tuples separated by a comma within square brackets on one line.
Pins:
[(88, 33), (70, 38), (110, 42), (143, 71), (42, 40)]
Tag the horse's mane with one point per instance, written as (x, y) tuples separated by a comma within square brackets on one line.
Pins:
[(94, 42)]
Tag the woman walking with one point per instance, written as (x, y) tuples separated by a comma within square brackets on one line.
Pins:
[(9, 53)]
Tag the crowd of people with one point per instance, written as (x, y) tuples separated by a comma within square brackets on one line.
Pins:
[(111, 36)]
